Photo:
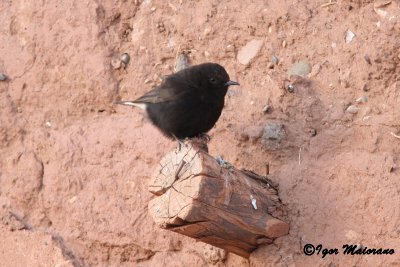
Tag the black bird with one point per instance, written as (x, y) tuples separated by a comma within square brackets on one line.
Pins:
[(188, 103)]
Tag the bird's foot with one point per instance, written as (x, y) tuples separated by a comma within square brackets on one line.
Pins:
[(204, 138), (200, 142), (181, 142)]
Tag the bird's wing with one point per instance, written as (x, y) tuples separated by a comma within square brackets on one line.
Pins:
[(172, 88), (158, 95)]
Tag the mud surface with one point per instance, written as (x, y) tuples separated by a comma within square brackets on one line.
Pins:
[(74, 167)]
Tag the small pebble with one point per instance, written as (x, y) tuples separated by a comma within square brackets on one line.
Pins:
[(365, 88), (365, 118), (153, 9), (345, 83), (230, 48), (284, 43), (301, 68), (116, 63), (353, 109), (148, 80), (251, 133), (206, 31), (161, 27), (270, 65), (273, 134), (266, 109), (291, 88), (72, 199), (275, 60), (182, 62), (206, 54), (349, 36), (248, 52), (315, 70), (367, 59), (3, 77), (312, 132), (125, 58), (352, 236), (362, 99)]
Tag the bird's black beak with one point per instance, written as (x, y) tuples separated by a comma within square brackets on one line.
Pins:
[(231, 83)]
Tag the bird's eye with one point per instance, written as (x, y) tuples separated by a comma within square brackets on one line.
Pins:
[(212, 80)]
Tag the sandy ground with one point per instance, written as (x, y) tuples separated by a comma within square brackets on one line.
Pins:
[(74, 167)]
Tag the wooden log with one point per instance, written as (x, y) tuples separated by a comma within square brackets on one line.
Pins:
[(214, 202)]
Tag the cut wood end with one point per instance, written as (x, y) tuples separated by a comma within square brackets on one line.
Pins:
[(182, 162), (170, 208)]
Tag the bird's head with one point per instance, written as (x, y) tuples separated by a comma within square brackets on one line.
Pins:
[(213, 77), (216, 76)]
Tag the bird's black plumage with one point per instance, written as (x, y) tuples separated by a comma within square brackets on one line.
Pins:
[(187, 103)]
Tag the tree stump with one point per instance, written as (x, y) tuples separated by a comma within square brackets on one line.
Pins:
[(213, 202)]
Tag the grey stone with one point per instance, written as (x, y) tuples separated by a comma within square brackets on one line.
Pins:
[(273, 134)]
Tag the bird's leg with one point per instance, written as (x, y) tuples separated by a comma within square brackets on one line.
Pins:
[(180, 142)]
